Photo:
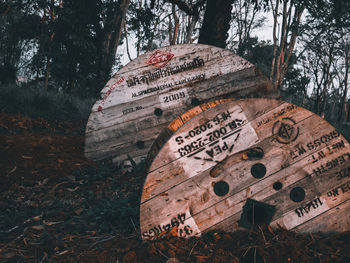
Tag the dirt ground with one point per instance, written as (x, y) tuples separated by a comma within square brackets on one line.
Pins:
[(57, 206)]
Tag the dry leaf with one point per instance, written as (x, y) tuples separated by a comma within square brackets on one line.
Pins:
[(43, 182), (62, 253), (27, 157), (52, 223), (40, 227), (78, 211), (14, 169), (36, 218), (270, 229), (93, 233), (72, 190), (173, 260), (173, 232)]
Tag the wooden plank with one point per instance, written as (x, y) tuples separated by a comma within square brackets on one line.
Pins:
[(160, 85), (333, 220), (297, 149)]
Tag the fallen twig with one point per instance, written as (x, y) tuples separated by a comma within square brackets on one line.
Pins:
[(192, 250), (55, 187), (13, 170), (134, 226), (262, 232), (101, 241), (19, 237)]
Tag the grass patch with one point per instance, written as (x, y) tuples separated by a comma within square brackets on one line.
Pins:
[(50, 105)]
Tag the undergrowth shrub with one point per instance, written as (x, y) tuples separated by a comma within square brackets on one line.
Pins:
[(51, 105)]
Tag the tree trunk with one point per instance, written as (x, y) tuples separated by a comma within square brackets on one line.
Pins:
[(47, 74), (111, 38), (318, 100), (127, 42), (52, 35), (274, 33), (192, 20), (327, 78), (170, 30), (343, 107), (216, 23), (176, 25), (282, 52)]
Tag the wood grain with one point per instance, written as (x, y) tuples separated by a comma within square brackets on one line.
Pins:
[(152, 90), (223, 143)]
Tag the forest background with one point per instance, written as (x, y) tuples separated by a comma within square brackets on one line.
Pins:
[(56, 55)]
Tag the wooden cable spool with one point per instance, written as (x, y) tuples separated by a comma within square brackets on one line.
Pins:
[(148, 93), (231, 165)]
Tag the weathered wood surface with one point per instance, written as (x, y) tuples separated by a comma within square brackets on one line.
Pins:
[(229, 145), (148, 93)]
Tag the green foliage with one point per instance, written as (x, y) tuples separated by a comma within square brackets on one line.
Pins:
[(259, 53), (295, 86), (74, 49), (59, 41), (36, 102), (142, 20), (330, 12)]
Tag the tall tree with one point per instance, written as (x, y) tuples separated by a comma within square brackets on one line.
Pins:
[(325, 56), (287, 13), (245, 19), (216, 23), (145, 23), (343, 76), (17, 27), (113, 22)]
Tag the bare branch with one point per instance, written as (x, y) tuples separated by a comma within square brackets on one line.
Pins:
[(275, 16), (127, 42), (176, 25)]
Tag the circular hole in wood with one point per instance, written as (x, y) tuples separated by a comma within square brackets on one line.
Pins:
[(297, 194), (277, 186), (158, 112), (140, 144), (195, 102), (258, 170), (221, 188), (256, 215)]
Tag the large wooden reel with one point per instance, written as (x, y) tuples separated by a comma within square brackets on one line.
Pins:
[(247, 163), (148, 93)]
